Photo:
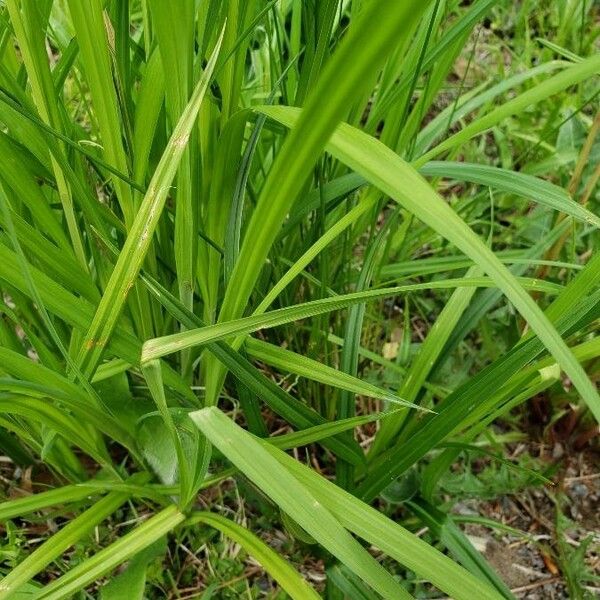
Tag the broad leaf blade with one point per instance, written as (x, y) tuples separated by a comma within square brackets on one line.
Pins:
[(262, 469)]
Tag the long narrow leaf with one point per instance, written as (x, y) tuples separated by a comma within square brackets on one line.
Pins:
[(259, 466), (274, 564), (141, 232), (180, 341), (391, 174)]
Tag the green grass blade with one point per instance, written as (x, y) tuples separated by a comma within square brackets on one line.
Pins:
[(348, 584), (318, 433), (140, 235), (391, 174), (456, 32), (474, 99), (486, 299), (78, 314), (292, 410), (331, 234), (24, 266), (90, 570), (289, 579), (44, 381), (377, 31), (521, 184), (180, 341), (428, 354), (20, 507), (153, 375), (90, 30), (292, 362), (285, 490), (17, 175), (352, 338), (78, 147), (71, 533), (388, 536), (469, 401), (571, 76), (459, 545), (29, 26), (174, 30)]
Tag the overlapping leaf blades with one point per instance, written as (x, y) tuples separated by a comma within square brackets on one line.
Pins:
[(117, 174)]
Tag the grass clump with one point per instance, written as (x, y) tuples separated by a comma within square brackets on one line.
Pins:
[(306, 259)]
